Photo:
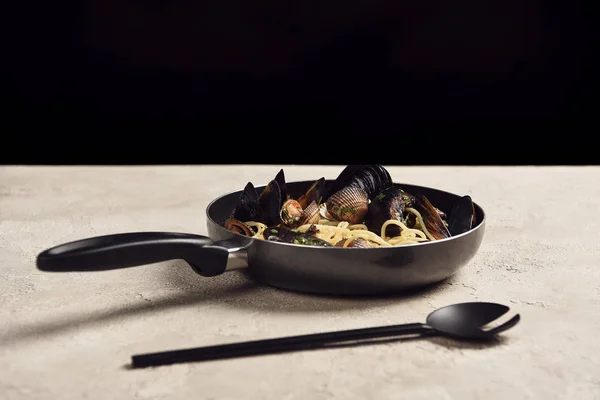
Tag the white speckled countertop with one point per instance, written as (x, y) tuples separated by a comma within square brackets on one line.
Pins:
[(71, 335)]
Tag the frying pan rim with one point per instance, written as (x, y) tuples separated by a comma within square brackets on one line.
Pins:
[(334, 248)]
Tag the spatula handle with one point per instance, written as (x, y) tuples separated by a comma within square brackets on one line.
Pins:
[(278, 345)]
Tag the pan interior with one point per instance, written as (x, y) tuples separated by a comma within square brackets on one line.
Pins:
[(221, 208), (351, 271)]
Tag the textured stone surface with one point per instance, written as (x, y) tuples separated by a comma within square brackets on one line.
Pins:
[(71, 335)]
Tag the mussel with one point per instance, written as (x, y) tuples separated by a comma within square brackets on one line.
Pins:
[(254, 207), (434, 224), (462, 216), (360, 194), (280, 179), (275, 205), (264, 206), (289, 235), (314, 193), (248, 206), (408, 199), (373, 179), (270, 201), (237, 226), (389, 204)]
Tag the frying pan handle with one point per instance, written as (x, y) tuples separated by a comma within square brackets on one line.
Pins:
[(125, 250)]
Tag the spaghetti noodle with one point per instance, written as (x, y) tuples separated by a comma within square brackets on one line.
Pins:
[(334, 232)]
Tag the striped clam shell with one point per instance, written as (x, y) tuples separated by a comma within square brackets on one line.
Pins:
[(310, 215), (349, 204)]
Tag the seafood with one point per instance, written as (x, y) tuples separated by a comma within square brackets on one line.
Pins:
[(434, 224), (462, 216), (270, 201), (293, 214), (238, 226), (248, 207), (280, 179), (274, 205), (310, 214), (388, 204), (291, 211), (373, 179), (314, 193), (361, 208), (349, 204), (287, 235)]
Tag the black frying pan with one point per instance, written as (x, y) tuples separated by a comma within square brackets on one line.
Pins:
[(325, 270)]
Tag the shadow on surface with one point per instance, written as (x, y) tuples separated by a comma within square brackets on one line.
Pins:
[(232, 289), (446, 342), (342, 345), (456, 344), (263, 297)]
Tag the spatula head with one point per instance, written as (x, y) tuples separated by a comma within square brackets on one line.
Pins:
[(468, 320)]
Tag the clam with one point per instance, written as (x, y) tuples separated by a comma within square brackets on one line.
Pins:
[(310, 214), (348, 204)]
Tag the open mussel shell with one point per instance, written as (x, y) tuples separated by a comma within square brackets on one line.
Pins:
[(432, 219), (270, 201), (376, 179), (462, 216), (248, 206), (348, 204), (280, 179), (389, 204), (288, 235), (314, 193)]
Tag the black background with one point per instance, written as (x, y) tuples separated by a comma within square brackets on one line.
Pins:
[(340, 100)]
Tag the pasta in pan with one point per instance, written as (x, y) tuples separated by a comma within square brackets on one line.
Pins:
[(343, 233), (361, 208)]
